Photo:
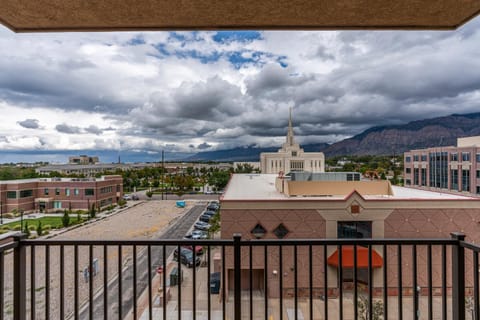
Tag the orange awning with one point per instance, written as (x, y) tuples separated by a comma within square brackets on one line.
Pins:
[(362, 258)]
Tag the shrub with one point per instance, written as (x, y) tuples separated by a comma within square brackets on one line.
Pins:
[(65, 219), (93, 211), (2, 231), (17, 227), (122, 202), (32, 227), (39, 228), (45, 227), (26, 230), (8, 215)]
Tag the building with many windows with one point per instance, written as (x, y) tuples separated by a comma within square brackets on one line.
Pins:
[(291, 157), (454, 169), (51, 194), (269, 206)]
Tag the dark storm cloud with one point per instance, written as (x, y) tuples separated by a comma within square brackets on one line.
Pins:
[(210, 100), (204, 146), (65, 128), (94, 129), (55, 84), (29, 123)]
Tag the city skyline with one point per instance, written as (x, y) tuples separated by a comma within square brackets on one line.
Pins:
[(201, 91)]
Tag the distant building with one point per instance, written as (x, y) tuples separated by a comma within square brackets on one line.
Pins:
[(454, 169), (51, 194), (83, 159), (291, 157), (325, 206)]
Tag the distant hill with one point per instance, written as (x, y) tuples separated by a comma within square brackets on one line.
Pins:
[(249, 153), (441, 131)]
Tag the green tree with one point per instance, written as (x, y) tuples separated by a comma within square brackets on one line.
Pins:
[(26, 230), (149, 194), (92, 212), (39, 228), (219, 179), (65, 219)]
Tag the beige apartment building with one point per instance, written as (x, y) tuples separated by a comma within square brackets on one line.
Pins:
[(52, 194), (290, 157), (453, 169), (285, 209)]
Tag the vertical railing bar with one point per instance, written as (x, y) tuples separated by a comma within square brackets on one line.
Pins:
[(62, 280), (295, 266), (280, 284), (149, 272), (2, 284), (325, 282), (458, 277), (385, 282), (179, 282), (209, 268), (120, 269), (250, 264), (90, 281), (134, 282), (237, 270), (370, 283), (475, 285), (194, 280), (75, 276), (164, 280), (340, 281), (444, 282), (19, 279), (310, 279), (355, 282), (105, 282), (47, 282), (265, 264), (415, 283), (32, 283), (400, 282), (224, 316), (430, 282)]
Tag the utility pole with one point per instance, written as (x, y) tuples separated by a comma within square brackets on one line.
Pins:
[(163, 173)]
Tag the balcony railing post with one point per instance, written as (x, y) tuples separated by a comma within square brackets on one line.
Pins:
[(237, 271), (19, 279), (458, 277)]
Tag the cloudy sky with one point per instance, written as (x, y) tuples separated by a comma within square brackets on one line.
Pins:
[(197, 91)]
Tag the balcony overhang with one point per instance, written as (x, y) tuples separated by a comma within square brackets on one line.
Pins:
[(348, 256), (118, 15)]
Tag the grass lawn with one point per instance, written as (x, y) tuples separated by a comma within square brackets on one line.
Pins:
[(54, 222)]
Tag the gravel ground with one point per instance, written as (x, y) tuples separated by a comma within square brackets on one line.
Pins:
[(146, 220)]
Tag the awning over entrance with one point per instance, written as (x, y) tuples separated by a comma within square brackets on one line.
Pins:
[(362, 258)]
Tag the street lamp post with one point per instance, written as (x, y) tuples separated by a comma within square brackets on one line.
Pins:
[(21, 220), (1, 212)]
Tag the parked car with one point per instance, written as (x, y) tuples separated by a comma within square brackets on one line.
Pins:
[(200, 225), (196, 234), (209, 213), (127, 197), (212, 207), (135, 197), (186, 257), (198, 249), (205, 218), (199, 234)]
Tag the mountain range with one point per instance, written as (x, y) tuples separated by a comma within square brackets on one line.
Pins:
[(380, 140)]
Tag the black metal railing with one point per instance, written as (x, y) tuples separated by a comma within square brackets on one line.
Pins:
[(260, 279)]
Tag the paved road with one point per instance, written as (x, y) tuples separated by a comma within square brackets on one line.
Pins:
[(175, 231)]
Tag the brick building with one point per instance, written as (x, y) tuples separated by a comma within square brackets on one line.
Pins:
[(51, 194), (287, 209)]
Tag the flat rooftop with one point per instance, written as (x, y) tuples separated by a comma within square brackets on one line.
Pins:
[(262, 187)]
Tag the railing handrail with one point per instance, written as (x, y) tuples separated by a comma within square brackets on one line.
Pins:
[(253, 242)]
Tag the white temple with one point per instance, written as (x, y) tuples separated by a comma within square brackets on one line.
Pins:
[(291, 157)]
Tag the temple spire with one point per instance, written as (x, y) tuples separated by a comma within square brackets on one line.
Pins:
[(290, 140)]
